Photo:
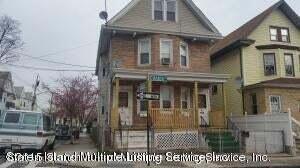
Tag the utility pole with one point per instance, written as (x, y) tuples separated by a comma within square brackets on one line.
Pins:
[(51, 102), (37, 83)]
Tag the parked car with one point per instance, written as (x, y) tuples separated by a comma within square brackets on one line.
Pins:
[(23, 130), (63, 131)]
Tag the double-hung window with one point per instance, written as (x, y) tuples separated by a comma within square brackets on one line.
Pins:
[(171, 10), (185, 98), (184, 59), (269, 64), (275, 104), (159, 9), (165, 10), (279, 34), (289, 65), (144, 52), (166, 51), (166, 94)]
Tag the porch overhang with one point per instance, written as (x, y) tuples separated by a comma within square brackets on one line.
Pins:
[(136, 74)]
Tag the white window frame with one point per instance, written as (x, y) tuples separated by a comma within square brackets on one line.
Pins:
[(293, 64), (165, 10), (187, 54), (171, 50), (277, 96), (188, 90), (172, 95), (139, 52)]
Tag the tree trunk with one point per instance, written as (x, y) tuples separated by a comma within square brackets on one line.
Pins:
[(72, 133)]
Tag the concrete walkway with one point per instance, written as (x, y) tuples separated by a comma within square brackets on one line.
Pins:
[(84, 144)]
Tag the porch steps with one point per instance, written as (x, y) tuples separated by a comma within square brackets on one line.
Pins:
[(222, 142)]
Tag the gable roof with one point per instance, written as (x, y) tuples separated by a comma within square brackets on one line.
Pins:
[(190, 4), (244, 31)]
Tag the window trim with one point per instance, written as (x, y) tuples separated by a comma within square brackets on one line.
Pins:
[(187, 54), (275, 64), (279, 34), (165, 11), (293, 64), (270, 104), (139, 52), (171, 50)]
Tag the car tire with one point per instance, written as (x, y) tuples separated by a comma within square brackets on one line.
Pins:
[(51, 147), (45, 147)]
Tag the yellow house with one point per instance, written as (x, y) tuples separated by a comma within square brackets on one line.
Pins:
[(263, 58)]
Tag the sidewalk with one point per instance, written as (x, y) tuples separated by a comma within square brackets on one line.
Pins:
[(84, 144)]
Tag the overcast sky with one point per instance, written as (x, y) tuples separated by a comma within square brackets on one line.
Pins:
[(68, 30)]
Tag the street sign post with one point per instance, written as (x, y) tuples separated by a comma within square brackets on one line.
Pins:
[(147, 96)]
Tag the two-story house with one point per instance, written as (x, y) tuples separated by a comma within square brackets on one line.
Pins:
[(23, 99), (158, 46), (263, 57)]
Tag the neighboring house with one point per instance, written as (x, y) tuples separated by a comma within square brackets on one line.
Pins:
[(28, 101), (7, 95), (263, 58), (23, 99), (20, 97), (159, 46)]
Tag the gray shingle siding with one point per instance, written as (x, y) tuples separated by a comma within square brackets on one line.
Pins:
[(140, 16)]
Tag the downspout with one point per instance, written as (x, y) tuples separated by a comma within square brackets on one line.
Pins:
[(242, 77)]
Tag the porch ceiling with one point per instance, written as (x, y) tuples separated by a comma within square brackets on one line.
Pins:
[(134, 74)]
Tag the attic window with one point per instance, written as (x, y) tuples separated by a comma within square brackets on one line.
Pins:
[(159, 10), (165, 10), (279, 34)]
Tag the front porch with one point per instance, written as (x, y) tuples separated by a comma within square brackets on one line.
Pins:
[(185, 100)]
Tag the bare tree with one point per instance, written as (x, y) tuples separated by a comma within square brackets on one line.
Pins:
[(10, 39)]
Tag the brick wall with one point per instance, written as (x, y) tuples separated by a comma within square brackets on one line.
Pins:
[(290, 98), (125, 51)]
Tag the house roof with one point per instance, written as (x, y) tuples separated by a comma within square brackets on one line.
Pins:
[(244, 31), (190, 4), (18, 91), (278, 83)]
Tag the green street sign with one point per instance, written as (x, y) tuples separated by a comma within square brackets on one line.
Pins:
[(158, 78)]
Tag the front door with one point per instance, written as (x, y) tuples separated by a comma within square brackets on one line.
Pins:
[(203, 107), (125, 105)]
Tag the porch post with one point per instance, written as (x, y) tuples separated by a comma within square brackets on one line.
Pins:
[(196, 119), (115, 113), (224, 104)]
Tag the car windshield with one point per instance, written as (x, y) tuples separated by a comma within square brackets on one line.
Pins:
[(12, 118), (30, 119)]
